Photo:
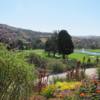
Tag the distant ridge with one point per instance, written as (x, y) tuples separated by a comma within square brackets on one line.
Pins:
[(12, 33), (9, 34)]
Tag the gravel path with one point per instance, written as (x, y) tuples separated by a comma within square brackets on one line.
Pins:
[(90, 72)]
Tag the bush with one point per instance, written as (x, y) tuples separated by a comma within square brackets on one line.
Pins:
[(37, 60), (48, 91), (56, 67), (71, 63), (16, 76), (90, 65), (89, 90)]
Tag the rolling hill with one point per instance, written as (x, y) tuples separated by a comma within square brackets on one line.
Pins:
[(9, 34)]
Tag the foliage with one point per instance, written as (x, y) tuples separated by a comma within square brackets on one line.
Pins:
[(48, 91), (65, 44), (98, 72), (21, 38), (16, 76), (84, 90), (56, 66), (70, 63), (89, 89), (75, 55), (60, 89), (51, 44), (2, 47), (61, 42), (67, 85), (48, 46), (37, 60), (36, 43), (20, 44)]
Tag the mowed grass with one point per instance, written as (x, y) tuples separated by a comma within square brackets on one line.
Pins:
[(42, 53), (80, 56), (77, 56), (94, 50)]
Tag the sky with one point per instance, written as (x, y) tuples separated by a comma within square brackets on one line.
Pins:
[(78, 17)]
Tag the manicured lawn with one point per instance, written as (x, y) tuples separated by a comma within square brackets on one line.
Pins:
[(94, 50), (78, 56), (42, 53)]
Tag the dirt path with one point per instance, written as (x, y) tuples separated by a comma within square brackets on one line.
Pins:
[(90, 72)]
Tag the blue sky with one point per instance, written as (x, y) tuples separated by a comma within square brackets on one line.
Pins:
[(79, 17)]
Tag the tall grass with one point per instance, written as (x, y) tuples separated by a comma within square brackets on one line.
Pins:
[(16, 76)]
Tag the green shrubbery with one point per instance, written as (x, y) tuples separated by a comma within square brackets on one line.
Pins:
[(16, 76), (48, 91), (56, 66), (37, 60)]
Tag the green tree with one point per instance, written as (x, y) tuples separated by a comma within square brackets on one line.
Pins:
[(48, 46), (65, 44), (54, 40), (51, 44)]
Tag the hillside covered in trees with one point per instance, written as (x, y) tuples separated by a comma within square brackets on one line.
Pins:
[(23, 38)]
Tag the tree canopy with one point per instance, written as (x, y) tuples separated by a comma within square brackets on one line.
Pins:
[(65, 44), (60, 42)]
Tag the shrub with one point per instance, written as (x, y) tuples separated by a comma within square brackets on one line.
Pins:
[(61, 90), (90, 65), (89, 90), (48, 91), (71, 63), (56, 66), (37, 60)]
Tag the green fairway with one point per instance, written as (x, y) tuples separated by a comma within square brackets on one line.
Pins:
[(93, 50), (42, 53), (79, 56)]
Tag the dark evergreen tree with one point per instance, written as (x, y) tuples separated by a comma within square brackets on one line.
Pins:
[(65, 44)]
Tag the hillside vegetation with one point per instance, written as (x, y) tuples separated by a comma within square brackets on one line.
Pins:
[(28, 39)]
